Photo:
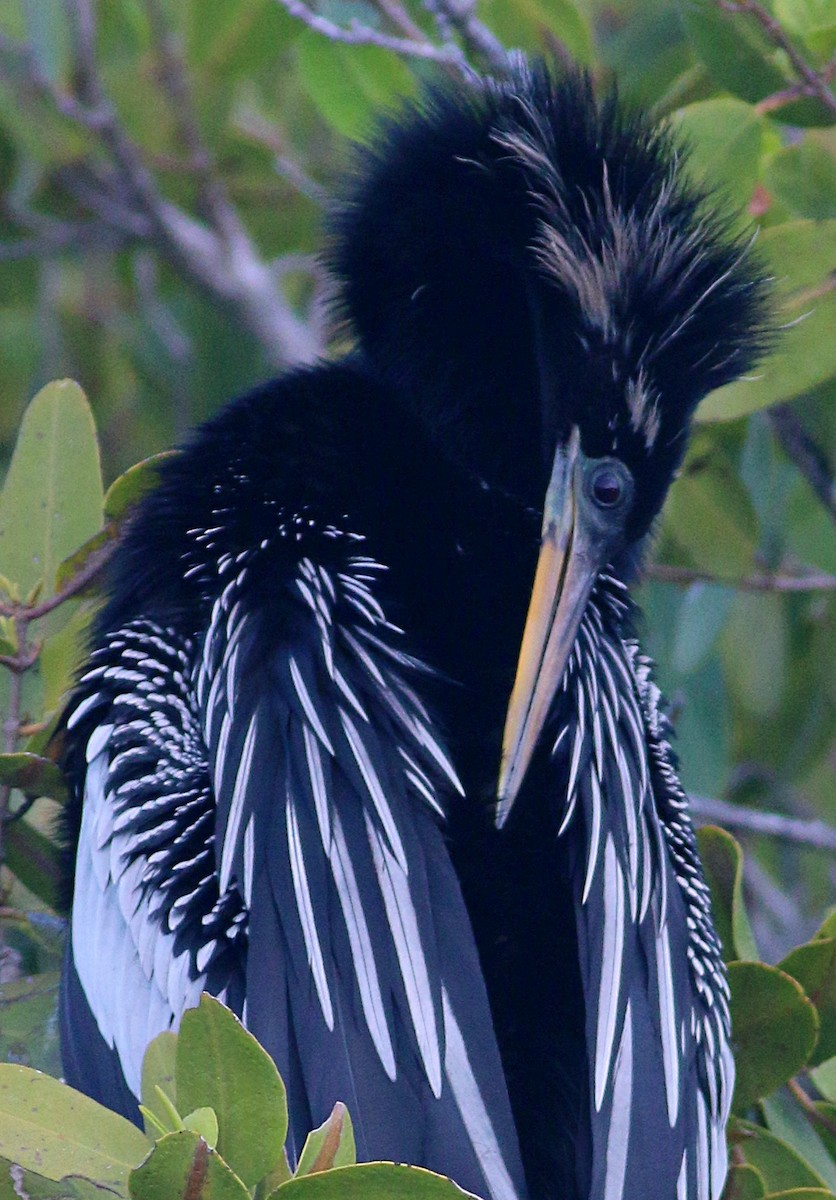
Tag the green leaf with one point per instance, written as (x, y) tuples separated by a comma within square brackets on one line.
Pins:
[(33, 775), (29, 1184), (778, 1163), (331, 1145), (814, 966), (136, 482), (203, 1122), (61, 656), (724, 140), (774, 1030), (710, 516), (702, 615), (813, 21), (221, 1065), (526, 23), (371, 1181), (350, 85), (824, 1077), (158, 1071), (744, 1183), (755, 651), (803, 178), (801, 255), (786, 1120), (802, 1194), (35, 860), (722, 861), (48, 34), (28, 1023), (52, 498), (827, 929), (49, 1128), (71, 566), (182, 1165)]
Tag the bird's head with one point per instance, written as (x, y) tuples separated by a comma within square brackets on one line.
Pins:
[(536, 274)]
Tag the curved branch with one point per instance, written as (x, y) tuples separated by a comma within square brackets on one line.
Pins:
[(816, 834)]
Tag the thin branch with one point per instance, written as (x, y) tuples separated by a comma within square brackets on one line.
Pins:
[(64, 236), (810, 1111), (474, 33), (395, 12), (816, 834), (358, 35), (766, 581), (815, 83), (810, 459), (93, 566)]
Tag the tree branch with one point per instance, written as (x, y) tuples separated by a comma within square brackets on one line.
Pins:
[(814, 82), (811, 581), (362, 35), (816, 834), (218, 256)]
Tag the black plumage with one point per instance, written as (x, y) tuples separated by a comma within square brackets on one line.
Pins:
[(288, 735)]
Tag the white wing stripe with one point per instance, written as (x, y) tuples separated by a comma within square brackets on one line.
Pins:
[(306, 914), (622, 1102), (362, 952), (612, 951), (236, 808), (404, 926), (472, 1107)]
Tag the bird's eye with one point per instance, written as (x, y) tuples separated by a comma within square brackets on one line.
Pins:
[(607, 487)]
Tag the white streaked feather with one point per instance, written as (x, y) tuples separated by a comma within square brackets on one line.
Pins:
[(612, 951), (236, 807), (362, 952), (249, 860), (406, 936), (594, 837), (703, 1151), (322, 804), (667, 1023), (618, 1140), (305, 910), (375, 789), (682, 1179), (308, 704), (473, 1110)]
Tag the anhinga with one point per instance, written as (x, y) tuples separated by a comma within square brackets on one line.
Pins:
[(292, 785)]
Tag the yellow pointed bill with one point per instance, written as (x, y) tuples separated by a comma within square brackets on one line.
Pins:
[(570, 557)]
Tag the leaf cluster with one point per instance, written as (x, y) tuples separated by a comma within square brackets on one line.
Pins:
[(215, 1118)]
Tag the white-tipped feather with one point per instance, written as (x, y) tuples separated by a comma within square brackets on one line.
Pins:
[(362, 952), (612, 952), (403, 923), (307, 919), (473, 1110)]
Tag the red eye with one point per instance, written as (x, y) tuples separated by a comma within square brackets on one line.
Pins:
[(607, 487)]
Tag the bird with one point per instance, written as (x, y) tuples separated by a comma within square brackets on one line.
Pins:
[(366, 744)]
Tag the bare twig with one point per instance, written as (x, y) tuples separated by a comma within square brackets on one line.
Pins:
[(814, 82), (766, 581), (807, 456), (476, 36), (362, 35), (84, 577), (816, 834), (810, 1111)]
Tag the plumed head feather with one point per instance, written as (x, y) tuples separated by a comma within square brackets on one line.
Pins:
[(520, 256)]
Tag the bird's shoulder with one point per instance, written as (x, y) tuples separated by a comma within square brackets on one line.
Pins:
[(292, 469)]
